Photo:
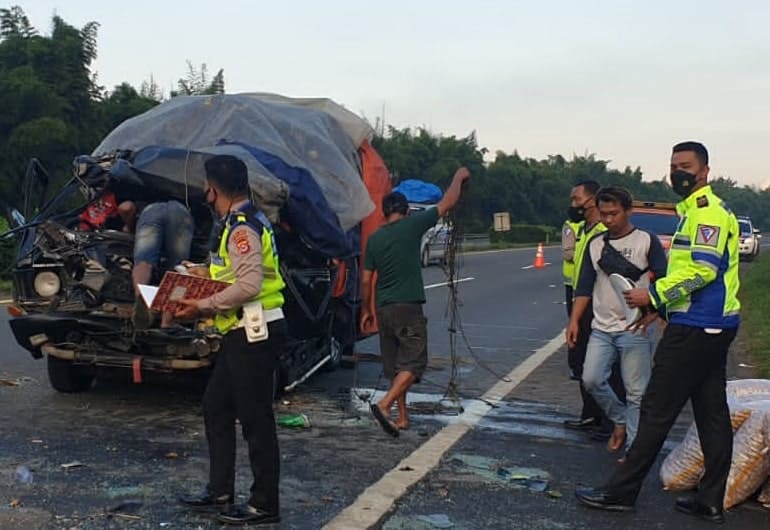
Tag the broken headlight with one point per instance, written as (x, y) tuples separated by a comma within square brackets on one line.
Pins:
[(47, 284)]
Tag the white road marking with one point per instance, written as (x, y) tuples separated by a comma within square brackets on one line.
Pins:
[(6, 301), (377, 500), (442, 284), (532, 266)]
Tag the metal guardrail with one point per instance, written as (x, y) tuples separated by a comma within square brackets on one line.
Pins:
[(471, 241)]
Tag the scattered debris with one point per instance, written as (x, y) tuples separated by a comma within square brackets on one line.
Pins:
[(36, 441), (73, 464), (9, 382), (294, 421), (533, 479), (406, 468), (23, 475), (554, 494), (171, 455), (327, 498), (437, 520), (15, 503)]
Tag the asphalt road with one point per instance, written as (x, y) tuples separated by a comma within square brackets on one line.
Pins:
[(141, 445)]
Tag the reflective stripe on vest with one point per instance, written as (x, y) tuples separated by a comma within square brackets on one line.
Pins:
[(271, 294), (581, 243), (568, 266)]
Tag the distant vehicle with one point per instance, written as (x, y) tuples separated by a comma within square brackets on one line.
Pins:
[(433, 247), (660, 218), (748, 246)]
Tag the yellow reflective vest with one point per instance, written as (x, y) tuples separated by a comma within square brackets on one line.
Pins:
[(581, 243), (271, 295), (568, 233), (701, 286)]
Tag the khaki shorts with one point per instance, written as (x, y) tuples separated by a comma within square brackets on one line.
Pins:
[(403, 339)]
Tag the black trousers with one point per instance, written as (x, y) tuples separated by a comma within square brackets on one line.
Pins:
[(689, 364), (576, 356), (241, 386)]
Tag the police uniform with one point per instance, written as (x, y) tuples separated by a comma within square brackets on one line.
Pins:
[(241, 384), (699, 292), (568, 239)]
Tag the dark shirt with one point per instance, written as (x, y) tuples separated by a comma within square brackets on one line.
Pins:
[(393, 252)]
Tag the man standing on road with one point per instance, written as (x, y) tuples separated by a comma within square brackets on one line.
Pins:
[(630, 252), (700, 294), (393, 252), (241, 385), (583, 210)]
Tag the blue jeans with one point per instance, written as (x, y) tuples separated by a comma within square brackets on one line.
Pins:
[(634, 351), (164, 230)]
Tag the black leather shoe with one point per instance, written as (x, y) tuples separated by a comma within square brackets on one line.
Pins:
[(581, 425), (603, 500), (245, 514), (206, 501), (692, 507)]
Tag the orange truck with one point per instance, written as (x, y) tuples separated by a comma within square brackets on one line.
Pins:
[(660, 218)]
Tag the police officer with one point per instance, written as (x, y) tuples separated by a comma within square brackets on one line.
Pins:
[(241, 384), (700, 294), (584, 213), (568, 238)]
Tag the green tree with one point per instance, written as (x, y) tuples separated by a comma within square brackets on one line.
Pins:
[(196, 82)]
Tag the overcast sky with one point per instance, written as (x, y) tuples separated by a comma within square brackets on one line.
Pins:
[(622, 79)]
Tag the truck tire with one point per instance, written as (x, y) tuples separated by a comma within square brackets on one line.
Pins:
[(67, 377)]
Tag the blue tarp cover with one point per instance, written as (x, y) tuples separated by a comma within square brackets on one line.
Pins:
[(419, 191)]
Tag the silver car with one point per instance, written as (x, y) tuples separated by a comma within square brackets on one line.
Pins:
[(748, 246), (433, 247)]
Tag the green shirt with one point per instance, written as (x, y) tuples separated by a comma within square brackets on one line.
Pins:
[(393, 252)]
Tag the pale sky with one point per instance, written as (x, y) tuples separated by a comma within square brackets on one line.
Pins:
[(619, 78)]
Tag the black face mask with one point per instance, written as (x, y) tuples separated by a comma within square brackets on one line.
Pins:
[(577, 213), (682, 182)]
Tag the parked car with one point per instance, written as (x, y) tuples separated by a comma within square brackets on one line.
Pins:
[(433, 247), (660, 218), (748, 246), (73, 293)]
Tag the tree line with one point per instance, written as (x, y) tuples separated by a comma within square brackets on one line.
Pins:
[(534, 191), (54, 109)]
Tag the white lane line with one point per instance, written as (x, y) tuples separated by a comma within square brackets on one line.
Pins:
[(377, 500), (442, 284), (532, 266)]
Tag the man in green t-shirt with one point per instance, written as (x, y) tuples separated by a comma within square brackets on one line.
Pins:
[(393, 252)]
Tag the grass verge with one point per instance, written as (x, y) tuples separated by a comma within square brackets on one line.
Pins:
[(755, 300)]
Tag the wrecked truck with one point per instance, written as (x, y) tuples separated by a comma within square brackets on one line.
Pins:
[(313, 173)]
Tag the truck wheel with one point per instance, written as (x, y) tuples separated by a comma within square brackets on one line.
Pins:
[(67, 377)]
